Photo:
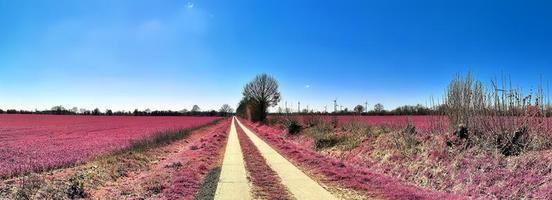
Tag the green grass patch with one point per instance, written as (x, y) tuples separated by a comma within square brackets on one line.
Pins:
[(209, 186)]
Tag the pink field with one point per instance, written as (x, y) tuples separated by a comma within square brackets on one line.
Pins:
[(39, 142), (420, 122), (425, 123)]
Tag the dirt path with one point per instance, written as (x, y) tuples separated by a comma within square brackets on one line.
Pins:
[(233, 182), (297, 182), (266, 184)]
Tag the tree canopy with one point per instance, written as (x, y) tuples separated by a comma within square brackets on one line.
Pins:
[(258, 95)]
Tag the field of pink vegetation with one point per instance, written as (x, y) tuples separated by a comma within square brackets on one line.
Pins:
[(38, 142), (422, 123), (475, 172)]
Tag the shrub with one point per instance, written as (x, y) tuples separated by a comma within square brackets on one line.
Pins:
[(514, 145), (155, 183), (5, 191), (405, 140), (461, 131), (294, 127), (29, 187), (497, 118), (327, 142), (174, 165), (53, 191), (76, 186)]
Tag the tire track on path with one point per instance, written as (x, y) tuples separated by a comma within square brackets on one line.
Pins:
[(233, 183), (297, 182)]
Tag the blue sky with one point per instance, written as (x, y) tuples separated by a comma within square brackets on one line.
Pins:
[(126, 54)]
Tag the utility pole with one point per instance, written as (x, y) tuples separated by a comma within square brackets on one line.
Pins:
[(325, 109), (335, 105), (366, 107), (307, 108), (298, 107)]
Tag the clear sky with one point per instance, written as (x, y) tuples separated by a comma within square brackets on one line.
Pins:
[(163, 54)]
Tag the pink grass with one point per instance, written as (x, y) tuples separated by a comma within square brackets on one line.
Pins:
[(201, 159), (336, 172), (267, 184), (475, 172), (32, 143)]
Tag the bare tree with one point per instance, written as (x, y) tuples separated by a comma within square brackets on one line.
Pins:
[(263, 92), (359, 109), (378, 108), (226, 109)]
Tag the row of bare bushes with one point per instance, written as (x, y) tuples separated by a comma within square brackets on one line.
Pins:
[(501, 118)]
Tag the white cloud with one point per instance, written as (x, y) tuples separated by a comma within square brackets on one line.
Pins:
[(307, 86), (190, 4)]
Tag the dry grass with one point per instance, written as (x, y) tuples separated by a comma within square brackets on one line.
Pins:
[(499, 118)]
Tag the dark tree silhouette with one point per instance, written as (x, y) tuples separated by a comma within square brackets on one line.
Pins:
[(96, 111), (58, 110), (359, 109), (195, 108), (378, 108), (226, 109)]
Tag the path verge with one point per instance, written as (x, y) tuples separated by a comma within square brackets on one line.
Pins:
[(233, 183), (298, 183)]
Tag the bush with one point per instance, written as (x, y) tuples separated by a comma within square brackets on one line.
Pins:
[(76, 187), (155, 183), (327, 142), (491, 119), (29, 187), (405, 140), (516, 144), (461, 131), (294, 127)]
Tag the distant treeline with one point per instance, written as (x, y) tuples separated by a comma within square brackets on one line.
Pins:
[(402, 110), (377, 111), (60, 110)]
